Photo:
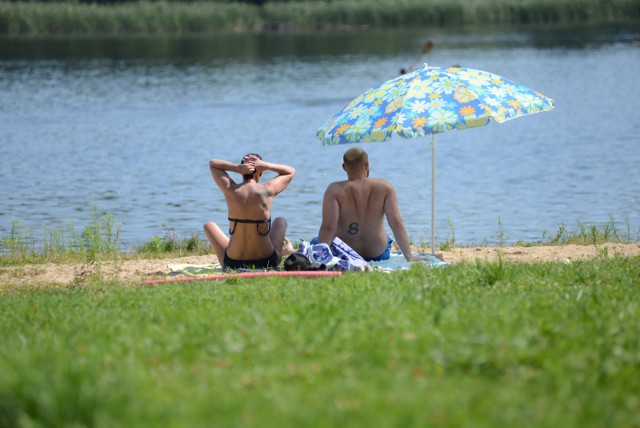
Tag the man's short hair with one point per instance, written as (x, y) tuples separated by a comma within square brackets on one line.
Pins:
[(355, 158), (250, 176)]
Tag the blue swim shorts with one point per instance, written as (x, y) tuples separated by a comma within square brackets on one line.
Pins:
[(385, 254)]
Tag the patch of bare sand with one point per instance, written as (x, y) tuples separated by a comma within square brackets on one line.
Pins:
[(547, 253), (136, 271), (125, 270)]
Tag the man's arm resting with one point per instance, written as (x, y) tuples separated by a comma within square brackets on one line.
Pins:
[(400, 234), (392, 212), (330, 215)]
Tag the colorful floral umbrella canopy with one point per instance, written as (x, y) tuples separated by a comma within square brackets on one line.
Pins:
[(431, 100)]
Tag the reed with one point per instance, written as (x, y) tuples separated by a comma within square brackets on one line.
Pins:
[(101, 236), (135, 17), (399, 13), (99, 239), (210, 16), (592, 234), (450, 243), (18, 244)]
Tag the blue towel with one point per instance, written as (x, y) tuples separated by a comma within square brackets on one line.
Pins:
[(397, 261)]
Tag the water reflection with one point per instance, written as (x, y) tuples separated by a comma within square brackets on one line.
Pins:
[(267, 46), (222, 46)]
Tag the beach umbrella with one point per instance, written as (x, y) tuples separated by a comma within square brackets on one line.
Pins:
[(431, 100)]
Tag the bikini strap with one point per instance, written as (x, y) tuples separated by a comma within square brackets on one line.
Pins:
[(256, 222)]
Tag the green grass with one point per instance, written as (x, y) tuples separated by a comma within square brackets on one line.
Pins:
[(483, 345), (67, 17), (171, 246)]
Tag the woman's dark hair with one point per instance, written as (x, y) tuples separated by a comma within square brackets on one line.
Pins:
[(250, 176)]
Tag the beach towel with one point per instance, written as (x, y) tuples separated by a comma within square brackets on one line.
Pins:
[(195, 269), (345, 261), (341, 256), (337, 256), (397, 262)]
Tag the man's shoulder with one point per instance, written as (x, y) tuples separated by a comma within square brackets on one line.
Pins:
[(336, 185), (378, 180), (380, 183)]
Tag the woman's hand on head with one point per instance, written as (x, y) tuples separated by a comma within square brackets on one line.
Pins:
[(246, 168), (258, 164)]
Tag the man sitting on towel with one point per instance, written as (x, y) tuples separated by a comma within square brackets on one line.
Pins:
[(354, 211)]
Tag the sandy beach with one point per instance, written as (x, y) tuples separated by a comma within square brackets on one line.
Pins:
[(148, 269)]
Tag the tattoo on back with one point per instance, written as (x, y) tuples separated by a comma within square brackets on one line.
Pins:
[(265, 198), (353, 229)]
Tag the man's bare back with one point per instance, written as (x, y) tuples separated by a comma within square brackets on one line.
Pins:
[(360, 209), (354, 210)]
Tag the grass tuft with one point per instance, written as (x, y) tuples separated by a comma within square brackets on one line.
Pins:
[(171, 245), (450, 243), (490, 273), (19, 244)]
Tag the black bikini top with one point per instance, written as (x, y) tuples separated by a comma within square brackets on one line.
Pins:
[(256, 222)]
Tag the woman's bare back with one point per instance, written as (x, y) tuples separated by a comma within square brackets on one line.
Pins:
[(249, 241)]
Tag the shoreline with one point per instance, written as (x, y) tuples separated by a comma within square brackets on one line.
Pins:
[(149, 269)]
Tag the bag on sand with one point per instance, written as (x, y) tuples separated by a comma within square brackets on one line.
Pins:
[(298, 261)]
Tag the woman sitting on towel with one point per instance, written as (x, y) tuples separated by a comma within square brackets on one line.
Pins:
[(254, 240)]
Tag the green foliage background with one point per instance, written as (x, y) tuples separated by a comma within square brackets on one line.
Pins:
[(125, 17)]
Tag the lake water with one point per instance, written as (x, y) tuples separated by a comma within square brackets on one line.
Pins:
[(129, 124)]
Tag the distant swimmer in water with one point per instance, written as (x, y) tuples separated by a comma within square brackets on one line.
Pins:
[(426, 48)]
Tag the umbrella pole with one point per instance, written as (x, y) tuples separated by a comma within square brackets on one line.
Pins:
[(433, 194)]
